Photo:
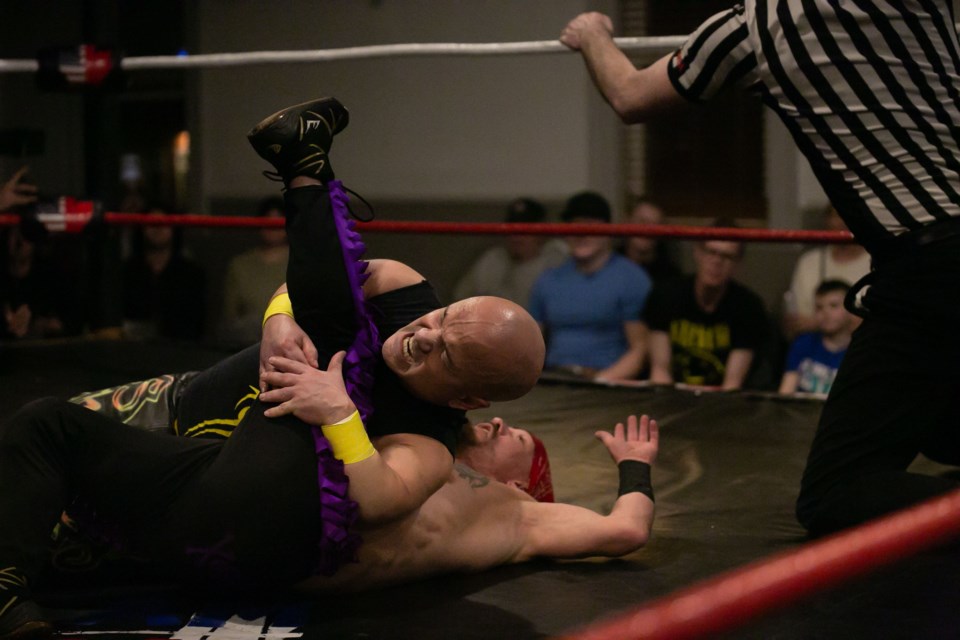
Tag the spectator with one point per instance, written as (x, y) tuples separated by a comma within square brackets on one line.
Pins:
[(163, 290), (17, 192), (510, 269), (705, 329), (36, 295), (590, 306), (650, 253), (37, 299), (815, 356), (845, 262), (252, 278)]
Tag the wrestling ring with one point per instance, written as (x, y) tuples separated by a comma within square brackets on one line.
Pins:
[(726, 479)]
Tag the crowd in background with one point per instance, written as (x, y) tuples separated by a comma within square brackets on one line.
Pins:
[(610, 310), (624, 311)]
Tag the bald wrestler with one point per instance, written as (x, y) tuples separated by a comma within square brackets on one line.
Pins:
[(413, 366), (215, 518)]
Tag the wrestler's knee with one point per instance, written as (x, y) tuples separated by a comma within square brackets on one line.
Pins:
[(812, 506), (32, 421)]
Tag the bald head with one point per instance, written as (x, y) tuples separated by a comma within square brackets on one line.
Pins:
[(503, 346), (469, 353)]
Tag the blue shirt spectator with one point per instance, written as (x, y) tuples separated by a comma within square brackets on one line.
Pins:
[(815, 365), (814, 357), (584, 312), (590, 307)]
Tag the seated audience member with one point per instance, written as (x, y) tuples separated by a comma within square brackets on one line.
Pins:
[(706, 328), (16, 192), (590, 306), (252, 278), (814, 357), (32, 294), (37, 297), (163, 290), (509, 270), (845, 262), (652, 254)]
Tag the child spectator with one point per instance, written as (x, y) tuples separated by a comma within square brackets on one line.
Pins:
[(814, 357), (844, 262)]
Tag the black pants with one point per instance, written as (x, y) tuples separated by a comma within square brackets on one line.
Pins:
[(897, 394), (322, 302), (242, 513)]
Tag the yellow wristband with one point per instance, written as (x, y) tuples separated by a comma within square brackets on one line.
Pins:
[(279, 304), (348, 439)]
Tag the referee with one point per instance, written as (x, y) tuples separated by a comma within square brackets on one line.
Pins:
[(871, 94)]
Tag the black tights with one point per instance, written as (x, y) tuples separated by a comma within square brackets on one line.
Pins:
[(242, 513)]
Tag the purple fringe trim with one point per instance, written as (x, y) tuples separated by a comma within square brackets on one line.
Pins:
[(337, 544), (338, 513), (361, 356)]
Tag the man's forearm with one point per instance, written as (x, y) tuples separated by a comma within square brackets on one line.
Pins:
[(636, 511), (633, 511), (737, 367), (610, 69)]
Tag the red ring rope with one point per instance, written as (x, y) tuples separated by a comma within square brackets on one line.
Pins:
[(488, 228), (726, 601)]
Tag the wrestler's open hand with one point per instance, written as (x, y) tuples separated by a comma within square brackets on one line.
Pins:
[(639, 440), (283, 338), (583, 26), (313, 395)]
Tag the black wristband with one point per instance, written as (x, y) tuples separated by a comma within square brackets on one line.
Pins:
[(635, 477)]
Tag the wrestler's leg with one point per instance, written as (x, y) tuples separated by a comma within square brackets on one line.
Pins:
[(149, 404), (254, 514), (317, 281), (216, 399), (52, 451), (241, 514), (297, 141), (323, 303)]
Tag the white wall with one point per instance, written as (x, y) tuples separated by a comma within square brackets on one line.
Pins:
[(438, 128)]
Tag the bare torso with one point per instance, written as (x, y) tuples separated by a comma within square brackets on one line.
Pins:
[(470, 524)]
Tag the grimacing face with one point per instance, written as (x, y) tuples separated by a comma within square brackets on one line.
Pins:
[(464, 355)]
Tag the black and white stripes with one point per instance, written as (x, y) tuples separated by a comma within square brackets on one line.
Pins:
[(869, 89)]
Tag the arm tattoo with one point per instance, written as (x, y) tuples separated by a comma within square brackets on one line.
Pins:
[(476, 480)]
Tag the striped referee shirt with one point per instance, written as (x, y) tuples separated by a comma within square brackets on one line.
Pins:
[(869, 89)]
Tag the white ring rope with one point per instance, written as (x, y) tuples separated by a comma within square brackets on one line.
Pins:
[(648, 45)]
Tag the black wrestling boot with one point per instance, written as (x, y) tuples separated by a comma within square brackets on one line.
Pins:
[(23, 620), (297, 139)]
